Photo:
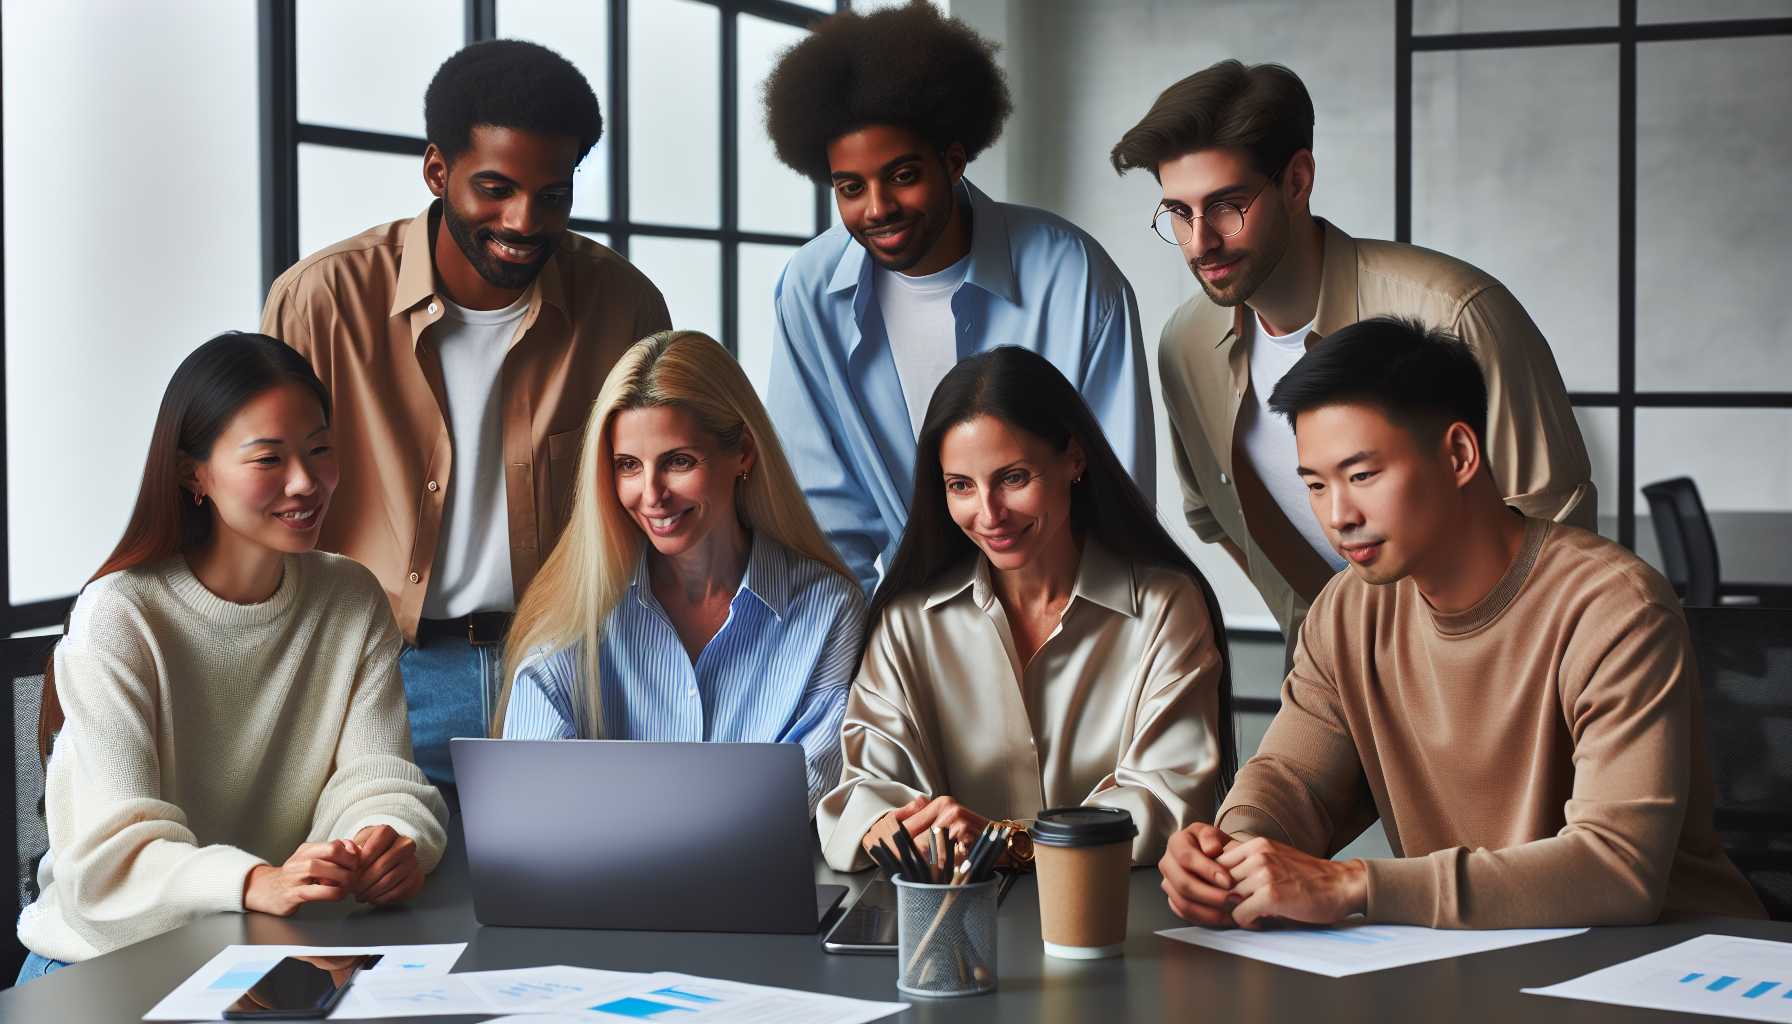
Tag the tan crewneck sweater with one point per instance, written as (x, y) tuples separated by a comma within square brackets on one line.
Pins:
[(1538, 760), (205, 737)]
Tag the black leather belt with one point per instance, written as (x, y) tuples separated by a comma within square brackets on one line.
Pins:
[(479, 629)]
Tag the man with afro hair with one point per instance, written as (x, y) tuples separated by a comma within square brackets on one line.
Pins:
[(464, 347), (923, 270)]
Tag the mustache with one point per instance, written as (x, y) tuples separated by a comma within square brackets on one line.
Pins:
[(1349, 538), (520, 241)]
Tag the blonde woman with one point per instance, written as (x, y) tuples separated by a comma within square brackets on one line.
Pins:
[(692, 596)]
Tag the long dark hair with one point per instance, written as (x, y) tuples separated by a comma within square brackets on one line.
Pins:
[(207, 390), (1023, 389)]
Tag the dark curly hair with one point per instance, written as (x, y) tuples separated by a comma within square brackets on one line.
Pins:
[(509, 83), (907, 66)]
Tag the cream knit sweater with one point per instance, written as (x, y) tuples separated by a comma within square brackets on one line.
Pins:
[(205, 737)]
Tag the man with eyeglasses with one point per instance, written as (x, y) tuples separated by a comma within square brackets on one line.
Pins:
[(924, 269), (1231, 146)]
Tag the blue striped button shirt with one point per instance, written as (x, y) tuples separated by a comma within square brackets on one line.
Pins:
[(778, 670)]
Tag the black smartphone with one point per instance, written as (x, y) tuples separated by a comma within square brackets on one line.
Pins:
[(299, 988), (870, 926)]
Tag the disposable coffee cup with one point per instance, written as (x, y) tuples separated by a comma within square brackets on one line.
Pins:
[(1084, 859)]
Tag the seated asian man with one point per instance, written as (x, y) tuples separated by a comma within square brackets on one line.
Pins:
[(1516, 699)]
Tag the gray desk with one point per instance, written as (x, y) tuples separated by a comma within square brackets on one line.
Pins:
[(1752, 547), (1157, 980)]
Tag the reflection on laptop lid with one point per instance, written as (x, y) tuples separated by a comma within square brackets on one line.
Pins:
[(640, 836)]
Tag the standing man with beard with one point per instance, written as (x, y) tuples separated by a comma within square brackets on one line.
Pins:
[(922, 271), (1232, 147), (464, 348)]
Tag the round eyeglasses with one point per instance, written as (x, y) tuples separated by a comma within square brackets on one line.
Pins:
[(1226, 219)]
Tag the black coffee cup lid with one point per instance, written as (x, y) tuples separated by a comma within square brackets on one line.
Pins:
[(1082, 826)]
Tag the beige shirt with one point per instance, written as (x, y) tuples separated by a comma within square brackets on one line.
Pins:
[(1538, 760), (1533, 443), (1117, 708), (365, 313)]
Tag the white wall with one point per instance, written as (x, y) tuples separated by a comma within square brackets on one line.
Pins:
[(132, 235)]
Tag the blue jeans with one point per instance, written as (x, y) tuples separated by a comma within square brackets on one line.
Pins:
[(451, 689), (36, 967)]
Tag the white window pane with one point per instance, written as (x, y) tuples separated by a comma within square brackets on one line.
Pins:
[(1514, 155), (111, 282), (689, 274), (366, 65), (772, 196), (820, 5), (598, 237), (675, 90), (581, 33), (1712, 263), (1738, 457), (1648, 11), (1446, 16), (760, 266), (1599, 429), (343, 192)]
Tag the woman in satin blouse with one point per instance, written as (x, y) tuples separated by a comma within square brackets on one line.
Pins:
[(1039, 639)]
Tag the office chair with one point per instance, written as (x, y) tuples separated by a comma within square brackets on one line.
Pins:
[(1745, 666), (1689, 549), (24, 658)]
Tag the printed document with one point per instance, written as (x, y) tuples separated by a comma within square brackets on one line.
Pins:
[(1359, 948), (1715, 975)]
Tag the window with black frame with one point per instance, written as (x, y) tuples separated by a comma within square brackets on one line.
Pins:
[(684, 182), (1615, 164)]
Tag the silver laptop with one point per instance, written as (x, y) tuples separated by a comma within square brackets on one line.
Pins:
[(641, 836)]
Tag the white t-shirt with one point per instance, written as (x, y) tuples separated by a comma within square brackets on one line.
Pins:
[(472, 564), (923, 334), (1269, 441)]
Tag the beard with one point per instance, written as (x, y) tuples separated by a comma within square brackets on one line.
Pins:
[(499, 273), (1255, 266)]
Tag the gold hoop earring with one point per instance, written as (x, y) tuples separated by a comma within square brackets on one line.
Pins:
[(198, 499)]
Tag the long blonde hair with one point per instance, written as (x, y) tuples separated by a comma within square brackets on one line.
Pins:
[(588, 572)]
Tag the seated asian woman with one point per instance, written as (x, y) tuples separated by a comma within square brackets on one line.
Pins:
[(692, 597), (227, 720), (1039, 639)]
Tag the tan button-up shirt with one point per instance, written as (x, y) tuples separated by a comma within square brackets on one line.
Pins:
[(1533, 443), (1117, 708), (362, 311)]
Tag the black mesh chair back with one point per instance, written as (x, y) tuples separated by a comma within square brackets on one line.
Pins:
[(24, 658), (1745, 662), (1688, 547)]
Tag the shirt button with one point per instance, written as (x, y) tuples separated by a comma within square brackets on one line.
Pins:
[(1224, 479), (415, 577), (434, 309), (433, 486)]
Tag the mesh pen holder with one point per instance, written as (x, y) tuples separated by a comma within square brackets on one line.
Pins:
[(946, 938)]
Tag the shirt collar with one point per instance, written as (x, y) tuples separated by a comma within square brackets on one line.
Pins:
[(1337, 283), (417, 272), (767, 577), (1101, 578), (992, 255)]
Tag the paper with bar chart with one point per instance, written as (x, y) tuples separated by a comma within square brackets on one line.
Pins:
[(1715, 975), (524, 990), (205, 994), (1359, 948), (681, 998)]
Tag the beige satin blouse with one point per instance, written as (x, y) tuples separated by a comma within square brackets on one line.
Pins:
[(1118, 707)]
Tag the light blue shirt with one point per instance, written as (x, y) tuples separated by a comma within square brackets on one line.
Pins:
[(778, 670), (1034, 280)]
